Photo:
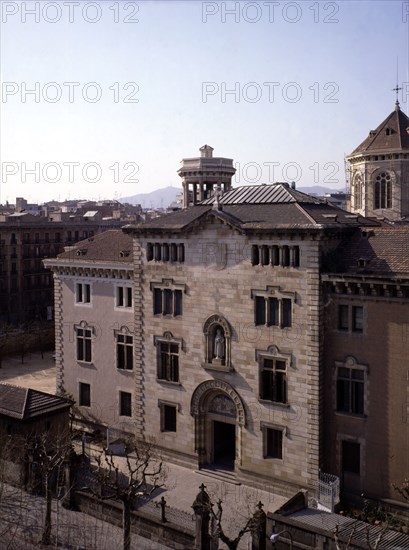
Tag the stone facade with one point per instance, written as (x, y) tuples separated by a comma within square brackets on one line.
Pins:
[(219, 280), (268, 339), (379, 170)]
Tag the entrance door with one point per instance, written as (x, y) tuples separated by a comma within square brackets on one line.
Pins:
[(224, 445)]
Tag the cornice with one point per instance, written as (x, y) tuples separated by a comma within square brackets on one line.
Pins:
[(108, 272)]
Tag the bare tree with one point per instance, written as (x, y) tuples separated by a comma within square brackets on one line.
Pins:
[(142, 472), (252, 523), (209, 523), (47, 455), (371, 546), (24, 338)]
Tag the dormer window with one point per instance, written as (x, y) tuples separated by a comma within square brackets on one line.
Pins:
[(389, 131)]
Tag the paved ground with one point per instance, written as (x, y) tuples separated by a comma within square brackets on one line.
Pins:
[(182, 484), (35, 372)]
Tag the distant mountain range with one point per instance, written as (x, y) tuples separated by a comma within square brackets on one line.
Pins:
[(162, 198)]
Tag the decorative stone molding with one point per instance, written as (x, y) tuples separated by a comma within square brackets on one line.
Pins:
[(110, 273), (198, 404)]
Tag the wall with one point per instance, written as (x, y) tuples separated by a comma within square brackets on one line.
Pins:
[(169, 534), (383, 430), (219, 279)]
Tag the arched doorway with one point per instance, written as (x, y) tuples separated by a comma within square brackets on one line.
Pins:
[(219, 418)]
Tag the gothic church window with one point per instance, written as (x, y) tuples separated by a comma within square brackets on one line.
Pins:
[(383, 191), (358, 189)]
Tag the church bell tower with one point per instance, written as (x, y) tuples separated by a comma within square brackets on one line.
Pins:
[(379, 170)]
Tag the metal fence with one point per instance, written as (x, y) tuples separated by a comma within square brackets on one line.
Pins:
[(328, 491)]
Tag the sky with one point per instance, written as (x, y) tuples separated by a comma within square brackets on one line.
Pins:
[(103, 99)]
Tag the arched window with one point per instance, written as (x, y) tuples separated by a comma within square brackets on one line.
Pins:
[(383, 190), (358, 188)]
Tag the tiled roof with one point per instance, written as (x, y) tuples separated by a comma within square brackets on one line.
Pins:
[(261, 207), (391, 134), (25, 403), (110, 246), (377, 251)]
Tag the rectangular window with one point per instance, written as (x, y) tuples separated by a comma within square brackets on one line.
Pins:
[(84, 344), (168, 295), (124, 296), (157, 301), (260, 305), (124, 351), (350, 318), (83, 293), (273, 443), (273, 311), (343, 317), (84, 394), (273, 380), (357, 318), (168, 362), (167, 301), (351, 457), (286, 313), (125, 403), (350, 390), (177, 302), (168, 418)]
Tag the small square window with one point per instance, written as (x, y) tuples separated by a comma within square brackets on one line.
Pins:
[(125, 403), (351, 457), (83, 293), (84, 394), (168, 418), (273, 443), (167, 301), (272, 311), (350, 318), (123, 296)]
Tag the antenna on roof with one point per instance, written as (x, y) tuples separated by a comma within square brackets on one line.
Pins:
[(397, 89)]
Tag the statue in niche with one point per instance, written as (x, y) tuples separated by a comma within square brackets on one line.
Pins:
[(219, 345)]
